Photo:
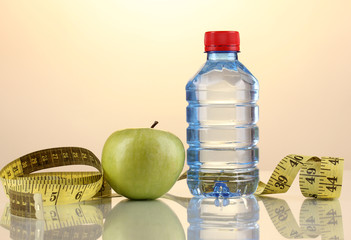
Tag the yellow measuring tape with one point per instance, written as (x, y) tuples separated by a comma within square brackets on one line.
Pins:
[(29, 192), (319, 177)]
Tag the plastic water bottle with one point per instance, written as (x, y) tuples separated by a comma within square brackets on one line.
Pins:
[(222, 114), (230, 218)]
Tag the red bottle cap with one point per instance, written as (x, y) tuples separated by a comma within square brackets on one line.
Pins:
[(222, 41)]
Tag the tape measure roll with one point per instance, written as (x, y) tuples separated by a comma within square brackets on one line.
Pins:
[(319, 177), (28, 192)]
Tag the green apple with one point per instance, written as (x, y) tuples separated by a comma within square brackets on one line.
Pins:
[(142, 163), (142, 220)]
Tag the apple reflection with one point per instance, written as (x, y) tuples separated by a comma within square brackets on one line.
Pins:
[(145, 220), (212, 218)]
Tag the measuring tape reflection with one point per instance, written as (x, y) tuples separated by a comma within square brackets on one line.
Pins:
[(317, 217), (29, 192), (70, 221)]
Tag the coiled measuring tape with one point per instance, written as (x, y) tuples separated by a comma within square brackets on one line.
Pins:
[(29, 192), (319, 177)]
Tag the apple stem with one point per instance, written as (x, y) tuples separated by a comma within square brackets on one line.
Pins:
[(154, 124)]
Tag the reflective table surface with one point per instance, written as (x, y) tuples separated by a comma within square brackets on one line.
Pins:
[(179, 216)]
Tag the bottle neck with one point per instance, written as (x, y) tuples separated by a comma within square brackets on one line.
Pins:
[(222, 56)]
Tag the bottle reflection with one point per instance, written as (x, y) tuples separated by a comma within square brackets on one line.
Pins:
[(317, 218), (74, 221), (212, 218), (145, 220)]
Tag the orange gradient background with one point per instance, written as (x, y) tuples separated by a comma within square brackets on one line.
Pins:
[(73, 72)]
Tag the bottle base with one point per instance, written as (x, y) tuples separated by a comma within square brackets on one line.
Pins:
[(222, 183)]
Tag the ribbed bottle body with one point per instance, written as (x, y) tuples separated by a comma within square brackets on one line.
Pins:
[(222, 114)]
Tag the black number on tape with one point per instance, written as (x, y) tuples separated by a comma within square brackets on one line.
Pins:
[(311, 171), (79, 195), (334, 161), (332, 188), (53, 197), (295, 163), (310, 180), (333, 180), (282, 180), (279, 185)]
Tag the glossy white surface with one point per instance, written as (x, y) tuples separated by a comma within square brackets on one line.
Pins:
[(291, 213)]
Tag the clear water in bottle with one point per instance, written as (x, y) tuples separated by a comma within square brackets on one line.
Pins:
[(222, 113)]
